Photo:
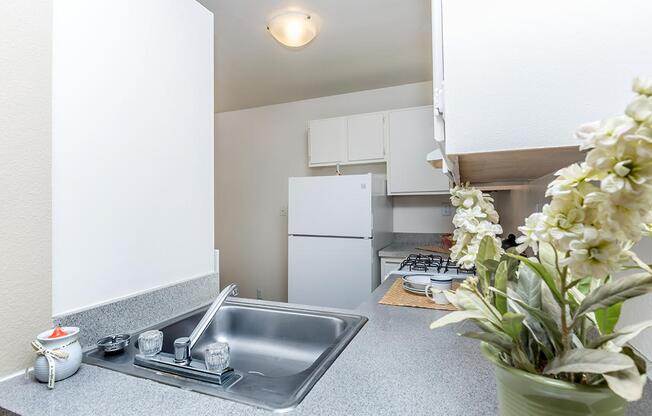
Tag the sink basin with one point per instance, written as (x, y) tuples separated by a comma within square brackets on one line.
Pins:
[(278, 351)]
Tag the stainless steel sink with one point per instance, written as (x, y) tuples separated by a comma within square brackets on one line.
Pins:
[(278, 351)]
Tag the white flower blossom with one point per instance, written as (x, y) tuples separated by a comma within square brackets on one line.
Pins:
[(529, 230), (640, 109), (593, 255), (605, 133), (627, 166), (562, 221), (568, 178), (642, 85), (474, 219), (621, 215)]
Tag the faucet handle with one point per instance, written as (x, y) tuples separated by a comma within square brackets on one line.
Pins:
[(182, 350)]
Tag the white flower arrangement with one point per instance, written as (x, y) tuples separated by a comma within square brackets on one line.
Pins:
[(555, 314), (601, 207), (475, 218)]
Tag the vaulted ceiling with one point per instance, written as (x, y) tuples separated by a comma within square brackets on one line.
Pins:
[(362, 44)]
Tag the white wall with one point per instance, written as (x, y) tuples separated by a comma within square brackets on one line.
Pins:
[(25, 179), (132, 147), (516, 205), (527, 73), (256, 150)]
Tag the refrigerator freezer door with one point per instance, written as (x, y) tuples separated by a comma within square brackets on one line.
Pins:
[(337, 206), (333, 272)]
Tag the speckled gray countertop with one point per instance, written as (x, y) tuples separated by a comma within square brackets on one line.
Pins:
[(394, 366)]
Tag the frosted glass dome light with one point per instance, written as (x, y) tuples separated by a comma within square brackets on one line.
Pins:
[(293, 29)]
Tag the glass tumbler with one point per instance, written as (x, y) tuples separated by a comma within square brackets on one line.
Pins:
[(216, 356), (150, 342)]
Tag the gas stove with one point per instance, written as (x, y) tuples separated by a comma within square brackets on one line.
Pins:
[(432, 264)]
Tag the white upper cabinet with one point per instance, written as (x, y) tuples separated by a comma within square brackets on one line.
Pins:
[(328, 141), (366, 137), (402, 138), (525, 74), (347, 140), (411, 137)]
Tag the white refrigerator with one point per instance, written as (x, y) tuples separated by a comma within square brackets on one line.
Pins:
[(336, 225)]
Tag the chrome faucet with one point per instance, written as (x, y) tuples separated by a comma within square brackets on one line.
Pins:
[(183, 345)]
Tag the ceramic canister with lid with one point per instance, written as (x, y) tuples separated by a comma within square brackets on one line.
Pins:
[(64, 367)]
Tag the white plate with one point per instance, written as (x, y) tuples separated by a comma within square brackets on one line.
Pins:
[(410, 289), (417, 281)]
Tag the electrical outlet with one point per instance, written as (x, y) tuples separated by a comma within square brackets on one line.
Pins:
[(259, 293), (284, 212), (447, 210)]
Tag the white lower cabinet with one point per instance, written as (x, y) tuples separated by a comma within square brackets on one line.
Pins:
[(388, 265), (411, 138)]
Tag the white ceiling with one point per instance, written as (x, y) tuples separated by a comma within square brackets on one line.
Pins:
[(362, 44)]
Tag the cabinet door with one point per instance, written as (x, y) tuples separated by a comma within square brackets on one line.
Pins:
[(327, 141), (532, 82), (388, 265), (366, 137), (411, 138)]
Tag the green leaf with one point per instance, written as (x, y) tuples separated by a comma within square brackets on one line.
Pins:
[(487, 250), (623, 335), (455, 317), (607, 318), (539, 337), (615, 291), (498, 340), (513, 324), (550, 325), (627, 383), (549, 258), (537, 332), (484, 276), (542, 272), (641, 363), (469, 299), (574, 298), (550, 306), (500, 282), (520, 360), (528, 287), (584, 286), (491, 265), (512, 266), (585, 360)]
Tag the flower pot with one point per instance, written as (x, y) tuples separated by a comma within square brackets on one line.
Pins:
[(522, 393)]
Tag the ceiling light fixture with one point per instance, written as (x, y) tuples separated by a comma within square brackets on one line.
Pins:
[(293, 29)]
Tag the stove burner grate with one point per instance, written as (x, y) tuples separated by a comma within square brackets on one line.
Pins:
[(432, 263)]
